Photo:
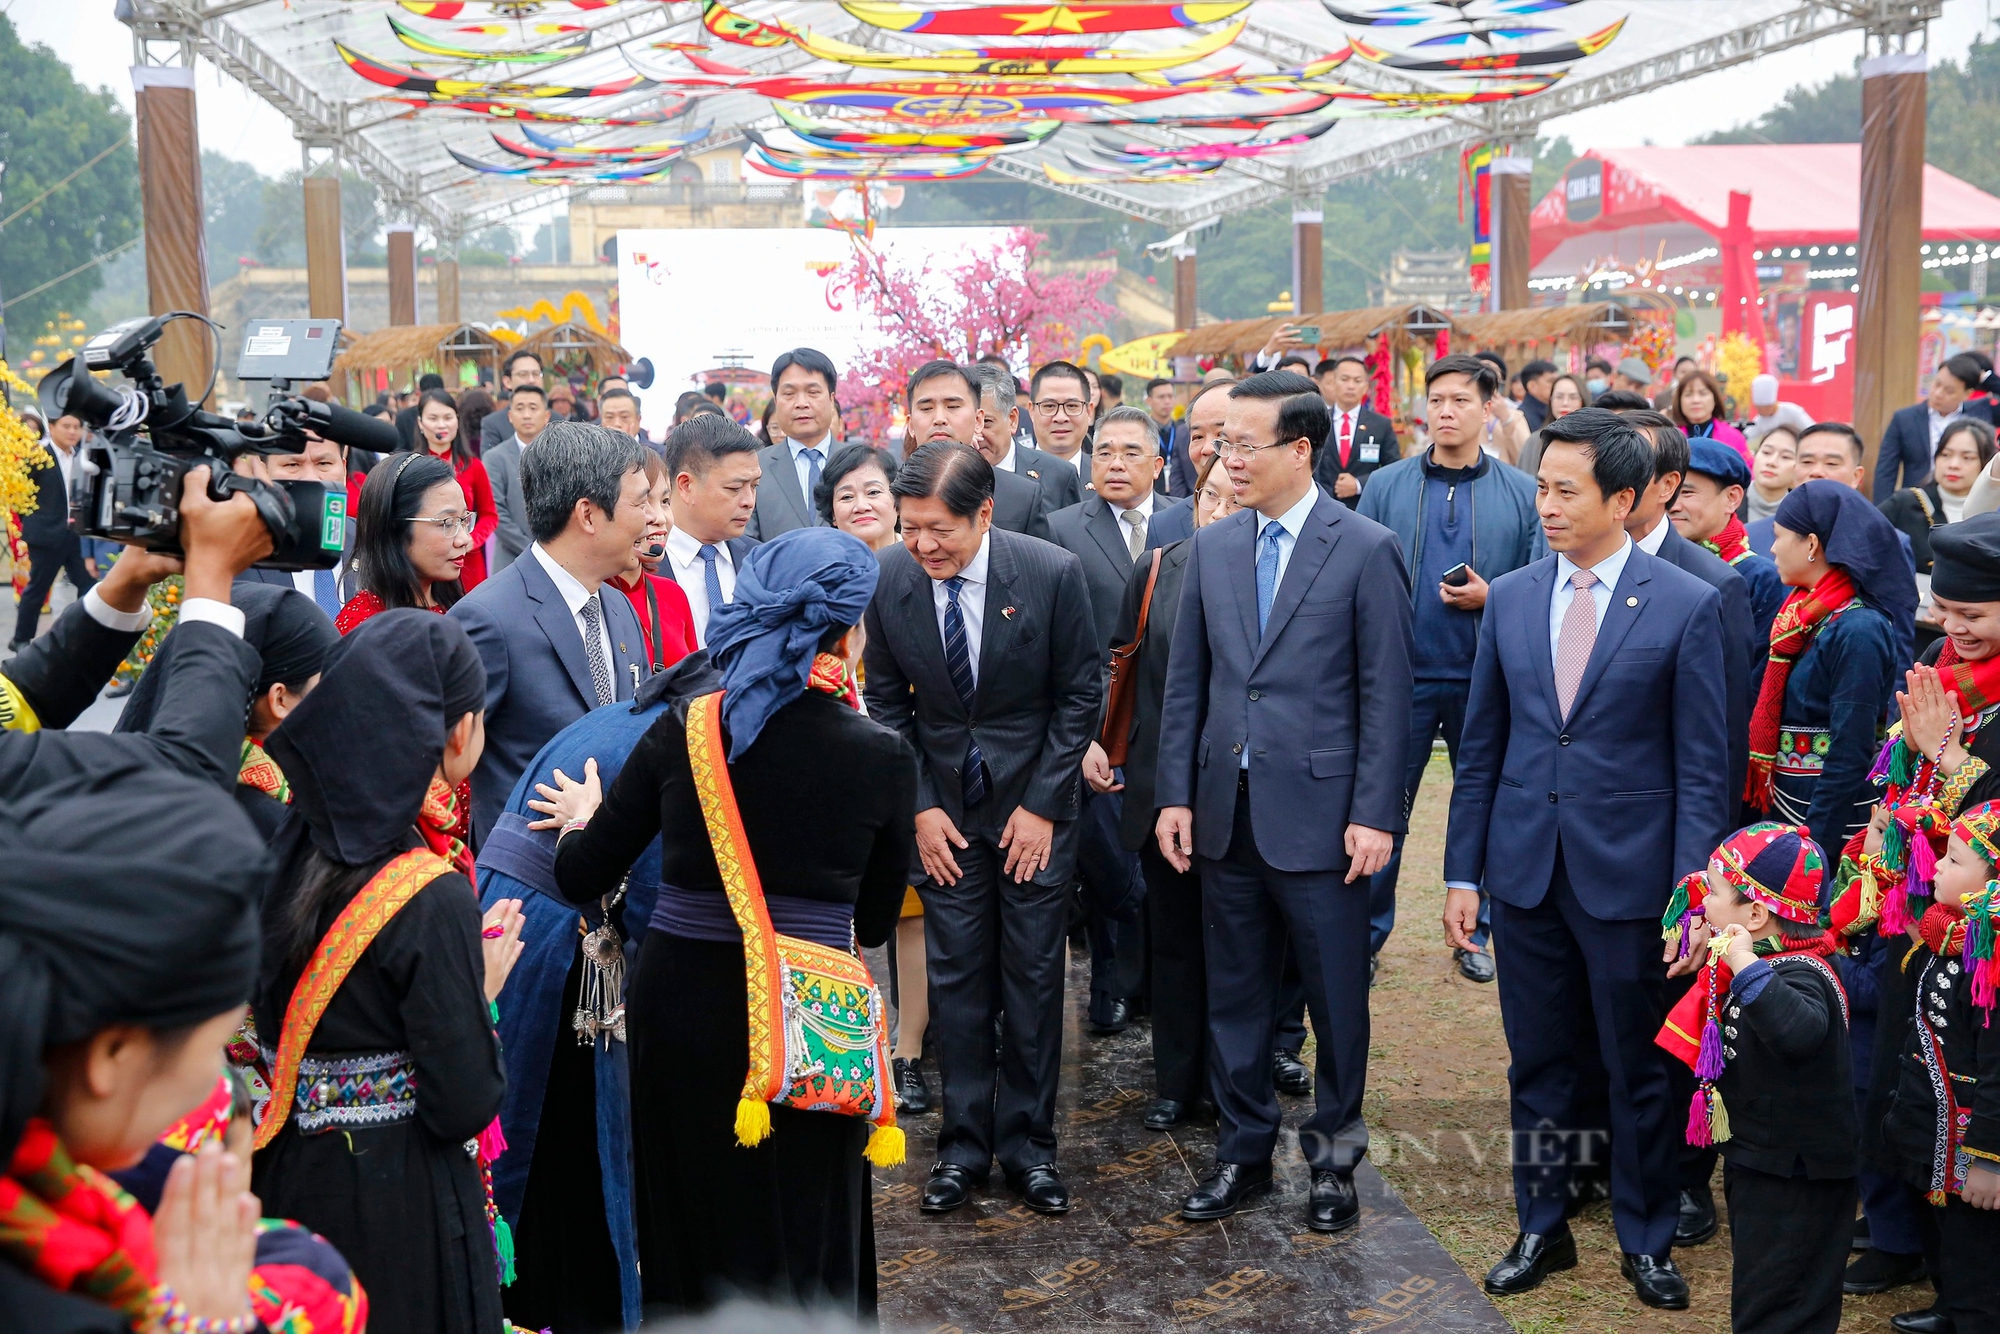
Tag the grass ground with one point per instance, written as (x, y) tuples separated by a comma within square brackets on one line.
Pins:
[(1437, 1110)]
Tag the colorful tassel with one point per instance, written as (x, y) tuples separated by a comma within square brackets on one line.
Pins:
[(885, 1147), (1880, 769), (1902, 764), (503, 1246), (1923, 867), (1698, 1133), (1708, 1062), (753, 1122), (1895, 918), (1718, 1117), (492, 1142), (1895, 842)]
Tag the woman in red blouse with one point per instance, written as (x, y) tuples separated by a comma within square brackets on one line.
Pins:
[(438, 431), (412, 537), (665, 619)]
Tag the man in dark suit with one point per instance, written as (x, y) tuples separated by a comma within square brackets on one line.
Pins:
[(326, 463), (518, 369), (982, 651), (1205, 412), (713, 477), (52, 548), (1107, 533), (528, 411), (1912, 434), (1282, 742), (1592, 774), (1359, 439), (803, 382), (998, 404), (943, 403), (1059, 408), (555, 649)]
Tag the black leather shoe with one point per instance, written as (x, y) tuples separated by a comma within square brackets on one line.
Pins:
[(1374, 962), (948, 1188), (1289, 1073), (1532, 1258), (1923, 1322), (1224, 1191), (1474, 965), (1166, 1113), (1697, 1221), (1657, 1282), (1041, 1189), (1876, 1271), (1332, 1205), (1862, 1240), (1108, 1017), (913, 1097)]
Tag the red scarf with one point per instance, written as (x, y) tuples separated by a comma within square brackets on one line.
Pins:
[(1793, 630), (1943, 929), (74, 1229), (445, 824), (1680, 1036), (830, 676), (1977, 684), (1732, 544)]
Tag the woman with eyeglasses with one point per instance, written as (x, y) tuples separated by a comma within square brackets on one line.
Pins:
[(412, 537), (442, 432)]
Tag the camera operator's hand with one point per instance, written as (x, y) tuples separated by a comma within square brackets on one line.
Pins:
[(221, 540), (135, 571)]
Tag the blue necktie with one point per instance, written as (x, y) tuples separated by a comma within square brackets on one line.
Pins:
[(326, 592), (1267, 573), (958, 660), (711, 578), (813, 460)]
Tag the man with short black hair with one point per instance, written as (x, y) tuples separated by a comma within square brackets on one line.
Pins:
[(1059, 406), (1826, 450), (803, 382), (53, 547), (1910, 440), (555, 649), (1289, 683), (528, 414), (714, 473), (999, 405), (1160, 406), (518, 369), (1537, 378), (944, 402), (618, 411), (1360, 439), (326, 463), (1591, 776), (982, 651)]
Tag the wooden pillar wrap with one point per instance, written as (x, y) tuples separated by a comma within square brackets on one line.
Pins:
[(170, 196), (1306, 286), (1511, 207), (1184, 286), (326, 250), (402, 273), (1892, 211)]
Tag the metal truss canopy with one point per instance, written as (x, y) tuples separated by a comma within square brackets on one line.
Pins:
[(283, 51)]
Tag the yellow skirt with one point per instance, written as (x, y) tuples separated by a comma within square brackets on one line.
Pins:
[(912, 905)]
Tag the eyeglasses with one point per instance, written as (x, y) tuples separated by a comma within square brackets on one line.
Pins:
[(1123, 455), (1070, 407), (1233, 449), (451, 525)]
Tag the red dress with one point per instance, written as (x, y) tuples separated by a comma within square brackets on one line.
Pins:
[(478, 490), (677, 639)]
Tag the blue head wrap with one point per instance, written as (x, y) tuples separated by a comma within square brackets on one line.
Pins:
[(1861, 540), (789, 592)]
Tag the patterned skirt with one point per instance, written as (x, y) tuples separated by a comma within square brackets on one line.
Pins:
[(1801, 757)]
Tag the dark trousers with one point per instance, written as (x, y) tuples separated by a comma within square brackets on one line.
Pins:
[(1435, 707), (1113, 886), (1560, 961), (1960, 1243), (995, 947), (1291, 1005), (1788, 1239), (1890, 1206), (1180, 978), (44, 563), (1248, 909)]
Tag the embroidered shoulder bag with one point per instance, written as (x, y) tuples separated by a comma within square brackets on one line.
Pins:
[(817, 1040)]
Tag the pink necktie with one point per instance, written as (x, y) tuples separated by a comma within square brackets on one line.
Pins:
[(1578, 636)]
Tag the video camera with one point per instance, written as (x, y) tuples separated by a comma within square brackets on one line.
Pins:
[(147, 436)]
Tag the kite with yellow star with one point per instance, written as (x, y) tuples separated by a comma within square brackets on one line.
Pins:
[(1038, 21)]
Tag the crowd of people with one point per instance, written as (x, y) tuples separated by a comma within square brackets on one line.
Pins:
[(510, 935)]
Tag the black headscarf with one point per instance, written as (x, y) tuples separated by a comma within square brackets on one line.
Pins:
[(1965, 559), (361, 749), (1860, 540), (287, 628), (154, 924)]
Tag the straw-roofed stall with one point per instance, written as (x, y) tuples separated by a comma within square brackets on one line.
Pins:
[(398, 355), (1396, 342), (571, 346), (1542, 331)]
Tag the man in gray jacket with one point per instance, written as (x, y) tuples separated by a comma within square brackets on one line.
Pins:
[(528, 413)]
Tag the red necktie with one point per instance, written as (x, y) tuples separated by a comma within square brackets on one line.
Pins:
[(1346, 436)]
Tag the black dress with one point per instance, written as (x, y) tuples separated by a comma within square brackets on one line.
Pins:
[(828, 799), (402, 1201)]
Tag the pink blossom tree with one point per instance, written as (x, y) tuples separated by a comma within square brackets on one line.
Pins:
[(994, 301)]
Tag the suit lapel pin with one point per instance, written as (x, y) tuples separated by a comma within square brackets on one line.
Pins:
[(1632, 602), (1008, 612), (1036, 475)]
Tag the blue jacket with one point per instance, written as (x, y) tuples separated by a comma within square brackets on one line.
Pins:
[(519, 863), (1506, 532), (1634, 782)]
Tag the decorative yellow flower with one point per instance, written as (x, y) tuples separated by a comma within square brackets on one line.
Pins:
[(20, 453)]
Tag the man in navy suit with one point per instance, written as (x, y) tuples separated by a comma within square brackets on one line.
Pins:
[(1592, 774), (944, 402), (1288, 682), (553, 648), (1360, 439), (1205, 413), (1912, 434), (715, 476)]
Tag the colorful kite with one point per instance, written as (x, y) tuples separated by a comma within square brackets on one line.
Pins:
[(772, 163), (840, 153), (406, 80), (508, 30), (549, 159), (423, 45), (741, 29), (1447, 11), (557, 148), (938, 100), (549, 171), (1113, 176), (1142, 154), (451, 9), (523, 115), (823, 135), (1493, 62), (1254, 122), (1029, 21)]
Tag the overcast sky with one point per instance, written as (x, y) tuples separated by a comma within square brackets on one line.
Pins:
[(233, 122)]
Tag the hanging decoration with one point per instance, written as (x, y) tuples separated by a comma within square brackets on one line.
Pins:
[(1248, 148), (423, 45), (546, 171), (741, 29), (1254, 122), (1027, 21), (526, 115), (951, 99), (508, 30), (839, 153), (821, 134), (1495, 18), (542, 146), (1179, 174), (406, 80), (1476, 170), (775, 162), (451, 9), (1493, 62)]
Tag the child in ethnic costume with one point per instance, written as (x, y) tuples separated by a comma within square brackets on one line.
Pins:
[(1943, 1122), (1765, 1029)]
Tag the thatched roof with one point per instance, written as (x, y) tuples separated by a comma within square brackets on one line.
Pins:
[(568, 343), (1337, 329), (1608, 320), (407, 350)]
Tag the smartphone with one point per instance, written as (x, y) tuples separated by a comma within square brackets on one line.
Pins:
[(1458, 576), (1309, 334)]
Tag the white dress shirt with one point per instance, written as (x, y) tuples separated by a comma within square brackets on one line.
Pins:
[(684, 558), (108, 616), (1939, 423), (1143, 507), (1012, 461), (1608, 572), (65, 461), (574, 595), (1653, 541), (803, 465), (971, 602)]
